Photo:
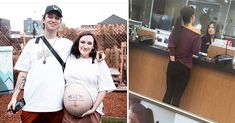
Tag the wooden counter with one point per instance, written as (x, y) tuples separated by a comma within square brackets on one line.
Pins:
[(209, 93)]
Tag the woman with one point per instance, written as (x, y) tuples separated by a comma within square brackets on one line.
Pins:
[(184, 41), (139, 114), (87, 82), (209, 37)]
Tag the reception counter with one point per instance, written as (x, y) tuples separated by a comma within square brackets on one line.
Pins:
[(209, 93)]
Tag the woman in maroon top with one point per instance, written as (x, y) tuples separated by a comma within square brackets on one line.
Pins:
[(184, 41)]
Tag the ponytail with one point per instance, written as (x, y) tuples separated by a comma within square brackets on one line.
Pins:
[(183, 19), (177, 29)]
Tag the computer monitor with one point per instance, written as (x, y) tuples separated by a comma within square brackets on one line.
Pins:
[(163, 22)]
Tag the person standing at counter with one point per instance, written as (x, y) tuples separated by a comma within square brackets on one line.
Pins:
[(184, 41), (211, 34)]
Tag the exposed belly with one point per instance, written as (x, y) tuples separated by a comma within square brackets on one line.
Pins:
[(77, 99)]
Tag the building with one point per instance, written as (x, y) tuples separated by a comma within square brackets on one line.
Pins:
[(5, 26), (114, 19), (33, 27), (110, 32)]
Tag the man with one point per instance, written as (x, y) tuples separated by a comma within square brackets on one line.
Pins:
[(41, 74)]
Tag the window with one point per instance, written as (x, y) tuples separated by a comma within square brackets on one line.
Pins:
[(165, 12), (161, 14), (230, 22), (209, 10), (140, 10)]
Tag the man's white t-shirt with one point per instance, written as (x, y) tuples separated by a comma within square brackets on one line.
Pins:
[(44, 87), (94, 77)]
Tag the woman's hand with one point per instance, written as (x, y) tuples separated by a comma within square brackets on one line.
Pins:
[(98, 100), (91, 111), (172, 58), (100, 56)]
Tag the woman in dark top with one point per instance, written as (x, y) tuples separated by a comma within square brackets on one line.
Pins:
[(209, 37), (184, 41)]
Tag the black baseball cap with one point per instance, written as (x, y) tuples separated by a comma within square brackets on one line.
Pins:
[(54, 8)]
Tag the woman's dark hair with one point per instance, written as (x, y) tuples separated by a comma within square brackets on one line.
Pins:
[(208, 37), (217, 29), (75, 50), (183, 19), (133, 99), (144, 115)]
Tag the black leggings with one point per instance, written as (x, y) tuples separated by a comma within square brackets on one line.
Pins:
[(177, 78)]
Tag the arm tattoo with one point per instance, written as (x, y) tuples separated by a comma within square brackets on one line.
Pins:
[(21, 83), (23, 80)]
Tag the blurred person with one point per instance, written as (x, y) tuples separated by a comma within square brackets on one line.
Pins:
[(212, 33), (87, 82), (204, 20), (184, 41), (138, 113), (133, 99)]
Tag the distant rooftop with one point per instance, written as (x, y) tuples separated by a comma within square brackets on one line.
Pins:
[(114, 19)]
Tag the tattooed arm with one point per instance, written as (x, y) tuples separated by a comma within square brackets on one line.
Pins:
[(19, 85)]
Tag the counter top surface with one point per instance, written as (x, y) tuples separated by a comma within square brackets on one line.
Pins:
[(225, 67)]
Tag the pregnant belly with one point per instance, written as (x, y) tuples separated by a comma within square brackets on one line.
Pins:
[(77, 99)]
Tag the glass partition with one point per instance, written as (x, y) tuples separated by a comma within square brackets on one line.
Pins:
[(210, 10), (161, 14), (230, 22), (165, 12), (140, 10)]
